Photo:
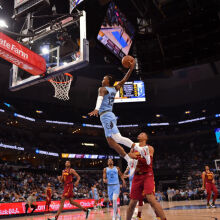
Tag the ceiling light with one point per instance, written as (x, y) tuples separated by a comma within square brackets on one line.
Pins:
[(3, 24), (45, 50), (187, 112), (88, 144), (157, 115), (39, 112)]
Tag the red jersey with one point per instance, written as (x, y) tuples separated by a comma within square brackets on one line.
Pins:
[(49, 192), (142, 164), (67, 177), (209, 177)]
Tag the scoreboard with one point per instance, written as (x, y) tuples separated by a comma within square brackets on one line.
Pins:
[(131, 92)]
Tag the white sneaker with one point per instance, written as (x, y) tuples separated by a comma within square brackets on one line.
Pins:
[(213, 205), (144, 151), (118, 217)]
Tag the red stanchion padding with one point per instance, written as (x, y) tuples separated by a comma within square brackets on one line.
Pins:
[(21, 56)]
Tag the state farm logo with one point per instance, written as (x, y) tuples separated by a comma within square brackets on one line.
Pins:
[(87, 203), (13, 48), (14, 60)]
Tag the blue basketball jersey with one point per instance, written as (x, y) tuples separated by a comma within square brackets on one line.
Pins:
[(95, 191), (131, 176), (108, 100), (112, 175)]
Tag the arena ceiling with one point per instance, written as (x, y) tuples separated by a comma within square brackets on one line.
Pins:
[(175, 42)]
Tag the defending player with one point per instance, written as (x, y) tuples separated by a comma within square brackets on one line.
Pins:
[(48, 194), (110, 177), (104, 106), (208, 183), (67, 179), (143, 182), (129, 173)]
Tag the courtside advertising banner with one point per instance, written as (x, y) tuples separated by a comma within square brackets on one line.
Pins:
[(19, 207), (21, 56)]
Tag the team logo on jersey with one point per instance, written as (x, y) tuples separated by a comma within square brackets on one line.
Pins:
[(109, 125)]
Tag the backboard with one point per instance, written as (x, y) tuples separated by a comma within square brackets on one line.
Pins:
[(62, 43)]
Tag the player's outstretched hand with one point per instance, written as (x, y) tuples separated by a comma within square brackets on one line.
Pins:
[(105, 181), (132, 155), (132, 64), (94, 113)]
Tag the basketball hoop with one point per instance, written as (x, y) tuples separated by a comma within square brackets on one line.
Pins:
[(61, 84)]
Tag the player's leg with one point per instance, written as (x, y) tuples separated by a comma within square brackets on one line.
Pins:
[(156, 206), (118, 148), (113, 136), (72, 202), (140, 207), (115, 205), (26, 208), (60, 208), (209, 193), (49, 206), (130, 209), (33, 208), (215, 196), (87, 211)]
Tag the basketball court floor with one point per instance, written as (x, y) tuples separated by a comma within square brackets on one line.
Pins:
[(183, 210)]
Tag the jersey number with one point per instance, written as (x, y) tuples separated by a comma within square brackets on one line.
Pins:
[(110, 100)]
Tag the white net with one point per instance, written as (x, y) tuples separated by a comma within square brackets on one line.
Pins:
[(62, 85)]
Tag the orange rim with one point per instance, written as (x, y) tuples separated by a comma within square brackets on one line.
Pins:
[(67, 74)]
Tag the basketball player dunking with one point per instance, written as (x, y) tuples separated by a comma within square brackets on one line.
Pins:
[(67, 179), (110, 177), (143, 182), (48, 194), (208, 183), (104, 106)]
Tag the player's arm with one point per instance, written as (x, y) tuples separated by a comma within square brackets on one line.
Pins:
[(104, 176), (126, 175), (72, 171), (126, 77), (213, 176), (61, 178), (151, 150), (101, 94), (203, 180), (121, 176)]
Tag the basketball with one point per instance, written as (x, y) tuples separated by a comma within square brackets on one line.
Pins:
[(127, 60)]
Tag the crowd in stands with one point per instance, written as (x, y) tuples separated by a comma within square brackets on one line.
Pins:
[(17, 185)]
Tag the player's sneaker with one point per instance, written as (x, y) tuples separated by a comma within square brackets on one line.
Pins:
[(87, 213), (54, 218), (208, 206), (213, 205), (144, 151), (118, 217)]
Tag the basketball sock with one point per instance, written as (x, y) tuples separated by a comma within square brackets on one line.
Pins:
[(140, 206), (127, 158), (139, 214), (115, 205)]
